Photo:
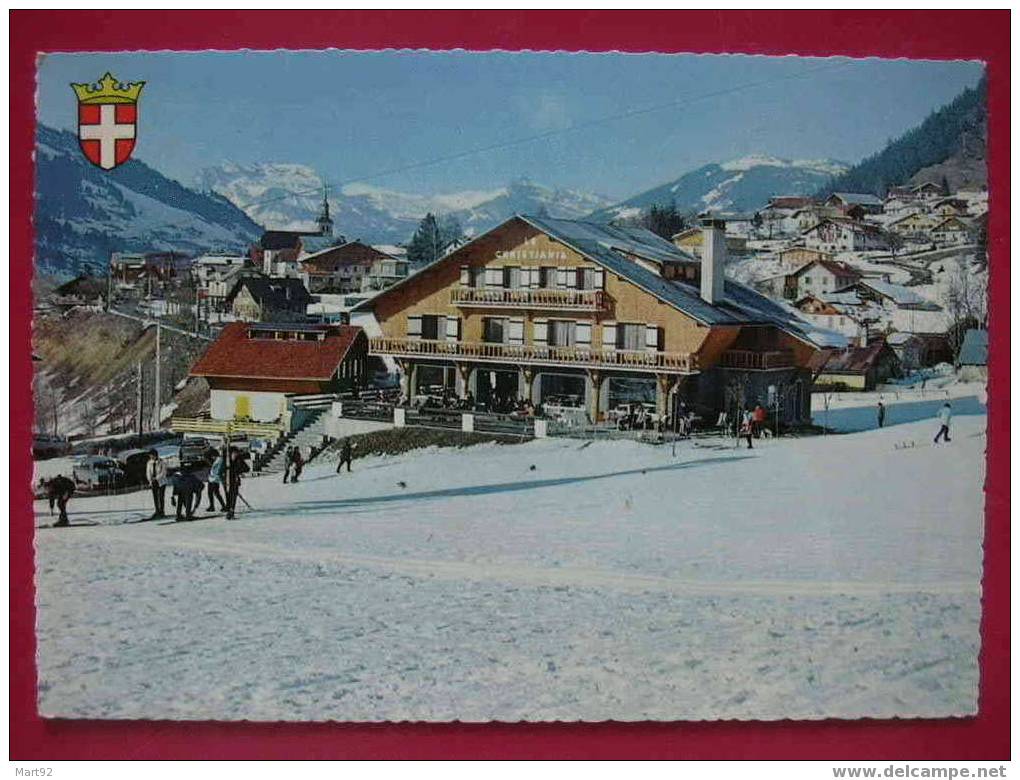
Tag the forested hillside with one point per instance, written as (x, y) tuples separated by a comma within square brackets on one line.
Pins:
[(949, 144)]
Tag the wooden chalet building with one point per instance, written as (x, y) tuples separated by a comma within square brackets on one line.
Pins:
[(843, 234), (821, 277), (860, 368), (253, 369), (341, 269), (263, 299), (855, 204), (569, 313)]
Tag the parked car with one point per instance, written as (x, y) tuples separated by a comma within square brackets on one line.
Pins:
[(47, 446), (98, 471), (196, 452), (132, 462)]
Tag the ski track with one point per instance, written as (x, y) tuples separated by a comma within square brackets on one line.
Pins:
[(614, 581)]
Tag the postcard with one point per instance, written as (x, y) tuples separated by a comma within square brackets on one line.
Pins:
[(508, 386)]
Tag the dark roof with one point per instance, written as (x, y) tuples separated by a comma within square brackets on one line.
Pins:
[(974, 350), (85, 286), (857, 360), (271, 292), (839, 269), (613, 247), (853, 224), (235, 353), (281, 239)]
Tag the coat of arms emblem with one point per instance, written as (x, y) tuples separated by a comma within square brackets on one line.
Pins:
[(108, 120)]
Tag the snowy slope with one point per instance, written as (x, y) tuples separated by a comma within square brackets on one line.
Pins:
[(287, 195), (83, 213), (550, 580), (740, 185)]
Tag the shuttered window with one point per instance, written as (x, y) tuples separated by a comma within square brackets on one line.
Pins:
[(493, 277), (465, 276), (582, 333), (609, 335), (600, 279), (414, 327), (453, 328), (430, 326), (562, 333), (546, 277), (541, 334), (494, 330), (651, 338), (512, 277), (516, 331)]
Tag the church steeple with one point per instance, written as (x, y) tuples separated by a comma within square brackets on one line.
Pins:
[(324, 221)]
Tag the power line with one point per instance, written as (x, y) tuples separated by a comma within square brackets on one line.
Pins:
[(553, 133)]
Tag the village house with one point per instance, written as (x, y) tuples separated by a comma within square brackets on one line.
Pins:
[(83, 291), (901, 204), (914, 225), (843, 312), (574, 314), (690, 240), (262, 299), (972, 362), (774, 218), (928, 191), (215, 275), (952, 231), (910, 348), (795, 257), (855, 204), (385, 272), (860, 368), (256, 371), (340, 269), (842, 234), (950, 207), (278, 251), (821, 277)]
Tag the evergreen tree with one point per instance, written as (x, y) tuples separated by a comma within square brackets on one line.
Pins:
[(427, 242)]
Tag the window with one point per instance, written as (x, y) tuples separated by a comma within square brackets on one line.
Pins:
[(586, 278), (494, 330), (512, 277), (562, 333), (807, 280), (630, 336), (546, 277), (430, 326)]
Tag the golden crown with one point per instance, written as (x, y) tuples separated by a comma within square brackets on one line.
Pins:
[(108, 90)]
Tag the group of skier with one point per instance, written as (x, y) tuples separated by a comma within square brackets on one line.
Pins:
[(187, 487)]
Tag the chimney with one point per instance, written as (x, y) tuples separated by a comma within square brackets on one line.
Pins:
[(713, 259)]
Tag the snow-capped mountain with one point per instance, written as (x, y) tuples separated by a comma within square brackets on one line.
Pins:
[(83, 214), (743, 184), (286, 195)]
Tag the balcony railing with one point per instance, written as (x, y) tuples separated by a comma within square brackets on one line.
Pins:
[(538, 354), (530, 298), (208, 425), (750, 360)]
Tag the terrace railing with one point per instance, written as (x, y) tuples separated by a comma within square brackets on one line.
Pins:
[(750, 360), (538, 354), (530, 298), (208, 425)]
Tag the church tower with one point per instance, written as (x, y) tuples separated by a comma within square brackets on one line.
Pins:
[(324, 221)]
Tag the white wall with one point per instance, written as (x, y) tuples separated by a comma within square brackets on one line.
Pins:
[(265, 407)]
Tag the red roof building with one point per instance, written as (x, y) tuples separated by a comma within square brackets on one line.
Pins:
[(252, 368)]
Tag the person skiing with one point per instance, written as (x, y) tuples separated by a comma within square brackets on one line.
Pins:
[(288, 463), (187, 494), (155, 476), (881, 414), (747, 427), (299, 464), (758, 420), (944, 417), (216, 478), (59, 491), (235, 468), (346, 455)]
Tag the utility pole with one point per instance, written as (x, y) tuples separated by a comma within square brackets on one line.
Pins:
[(156, 422), (138, 398)]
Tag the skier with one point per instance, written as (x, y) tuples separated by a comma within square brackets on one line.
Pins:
[(944, 417), (59, 491), (747, 427), (299, 464), (288, 463), (216, 476), (346, 455), (235, 468), (187, 494), (155, 475), (881, 414)]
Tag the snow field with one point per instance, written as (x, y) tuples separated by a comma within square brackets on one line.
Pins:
[(831, 576)]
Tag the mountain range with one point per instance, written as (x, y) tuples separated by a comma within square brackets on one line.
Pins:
[(289, 196), (83, 213), (740, 185)]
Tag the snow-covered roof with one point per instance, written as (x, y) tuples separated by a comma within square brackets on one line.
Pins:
[(898, 294), (858, 198)]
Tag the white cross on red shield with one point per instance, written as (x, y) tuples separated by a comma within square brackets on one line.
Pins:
[(107, 132)]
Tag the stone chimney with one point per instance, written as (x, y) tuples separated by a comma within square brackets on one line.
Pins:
[(713, 259)]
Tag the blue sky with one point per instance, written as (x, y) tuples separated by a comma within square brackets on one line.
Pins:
[(351, 115)]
